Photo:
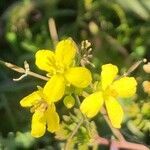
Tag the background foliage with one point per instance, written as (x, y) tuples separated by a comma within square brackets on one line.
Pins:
[(119, 31)]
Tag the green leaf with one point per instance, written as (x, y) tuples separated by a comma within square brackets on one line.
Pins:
[(138, 7)]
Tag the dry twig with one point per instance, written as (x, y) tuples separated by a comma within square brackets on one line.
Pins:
[(25, 71)]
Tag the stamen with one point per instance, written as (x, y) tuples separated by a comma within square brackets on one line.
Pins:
[(41, 106)]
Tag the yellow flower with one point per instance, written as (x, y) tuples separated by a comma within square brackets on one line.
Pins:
[(60, 68), (111, 89), (44, 113)]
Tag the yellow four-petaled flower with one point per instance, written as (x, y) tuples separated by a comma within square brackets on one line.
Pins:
[(111, 89), (61, 69), (44, 113)]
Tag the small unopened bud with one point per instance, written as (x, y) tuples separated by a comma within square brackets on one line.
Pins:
[(26, 65), (145, 110), (93, 27), (146, 86), (69, 101), (146, 67)]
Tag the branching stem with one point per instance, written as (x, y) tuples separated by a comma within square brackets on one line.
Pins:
[(67, 146), (23, 71), (119, 144)]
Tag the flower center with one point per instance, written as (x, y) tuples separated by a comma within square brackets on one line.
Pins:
[(60, 68), (110, 92), (40, 106), (56, 66)]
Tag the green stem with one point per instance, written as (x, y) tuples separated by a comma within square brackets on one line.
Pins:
[(115, 131), (77, 100), (67, 146), (84, 119)]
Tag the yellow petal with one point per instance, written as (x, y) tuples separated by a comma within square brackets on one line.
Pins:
[(52, 119), (125, 87), (29, 100), (108, 74), (38, 126), (66, 51), (45, 60), (54, 88), (79, 77), (114, 111), (91, 105)]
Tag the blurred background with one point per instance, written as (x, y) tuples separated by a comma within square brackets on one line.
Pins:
[(119, 31)]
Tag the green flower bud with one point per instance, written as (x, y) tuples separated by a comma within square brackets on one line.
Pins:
[(69, 101)]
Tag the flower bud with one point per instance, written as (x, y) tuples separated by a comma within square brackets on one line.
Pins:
[(146, 86), (69, 101), (146, 67)]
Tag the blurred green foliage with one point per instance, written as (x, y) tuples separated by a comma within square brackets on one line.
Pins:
[(119, 31)]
